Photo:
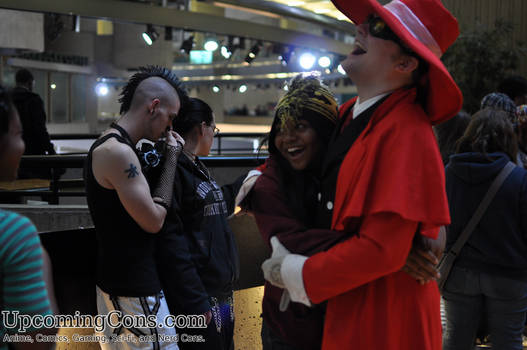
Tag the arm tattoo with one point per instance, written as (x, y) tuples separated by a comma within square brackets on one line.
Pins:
[(132, 172)]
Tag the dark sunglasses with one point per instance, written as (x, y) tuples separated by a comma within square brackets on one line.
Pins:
[(379, 29)]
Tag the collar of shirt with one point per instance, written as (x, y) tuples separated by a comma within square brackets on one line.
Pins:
[(360, 107)]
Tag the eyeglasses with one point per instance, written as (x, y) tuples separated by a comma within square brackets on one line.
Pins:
[(215, 130), (379, 29)]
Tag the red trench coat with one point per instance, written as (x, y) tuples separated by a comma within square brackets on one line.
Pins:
[(391, 184)]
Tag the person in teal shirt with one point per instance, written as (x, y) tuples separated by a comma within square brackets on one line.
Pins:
[(23, 289)]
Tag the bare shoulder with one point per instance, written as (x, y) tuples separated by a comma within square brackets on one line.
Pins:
[(111, 148), (112, 157)]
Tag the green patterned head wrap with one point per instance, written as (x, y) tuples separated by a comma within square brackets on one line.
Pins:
[(306, 94)]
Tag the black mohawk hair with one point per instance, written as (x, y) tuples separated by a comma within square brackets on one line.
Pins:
[(148, 72)]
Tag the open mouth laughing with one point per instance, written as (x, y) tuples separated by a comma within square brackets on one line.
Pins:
[(295, 152), (359, 49)]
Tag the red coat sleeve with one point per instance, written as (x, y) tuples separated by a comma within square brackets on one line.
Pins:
[(273, 216), (381, 248)]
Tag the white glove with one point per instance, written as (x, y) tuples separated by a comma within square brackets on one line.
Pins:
[(284, 270), (271, 270), (278, 248), (272, 266), (247, 186)]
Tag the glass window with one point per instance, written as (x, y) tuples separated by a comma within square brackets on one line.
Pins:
[(78, 98), (8, 79), (59, 89)]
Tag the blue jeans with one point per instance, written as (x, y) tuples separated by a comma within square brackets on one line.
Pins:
[(471, 296)]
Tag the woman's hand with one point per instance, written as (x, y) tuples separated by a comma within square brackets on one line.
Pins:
[(424, 257)]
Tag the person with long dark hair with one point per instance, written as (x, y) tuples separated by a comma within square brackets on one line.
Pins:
[(197, 252), (489, 277), (389, 181), (283, 202)]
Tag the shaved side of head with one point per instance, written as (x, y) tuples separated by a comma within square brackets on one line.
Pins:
[(150, 89)]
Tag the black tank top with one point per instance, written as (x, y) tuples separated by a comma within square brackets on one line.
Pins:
[(125, 252)]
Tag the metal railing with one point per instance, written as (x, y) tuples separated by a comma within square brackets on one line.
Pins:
[(217, 149), (76, 161)]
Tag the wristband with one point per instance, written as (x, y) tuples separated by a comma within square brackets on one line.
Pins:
[(165, 185)]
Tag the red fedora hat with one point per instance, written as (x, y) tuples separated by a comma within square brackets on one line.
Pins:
[(428, 29)]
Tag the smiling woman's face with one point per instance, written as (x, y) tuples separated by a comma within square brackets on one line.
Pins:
[(11, 149), (298, 143)]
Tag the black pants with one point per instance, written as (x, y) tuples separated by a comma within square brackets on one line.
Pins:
[(271, 341)]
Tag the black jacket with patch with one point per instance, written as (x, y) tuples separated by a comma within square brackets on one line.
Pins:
[(197, 254)]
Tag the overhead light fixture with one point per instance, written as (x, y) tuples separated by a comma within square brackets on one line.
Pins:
[(307, 60), (187, 45), (285, 56), (240, 43), (53, 86), (169, 36), (211, 45), (295, 3), (216, 88), (150, 35), (225, 52), (324, 61), (228, 50), (76, 23), (341, 70), (242, 88), (253, 52), (101, 89), (53, 26)]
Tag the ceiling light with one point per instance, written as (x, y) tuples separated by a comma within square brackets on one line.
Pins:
[(324, 61), (150, 35), (253, 52), (225, 52), (187, 45), (76, 23), (242, 88), (216, 88), (211, 45), (101, 89), (169, 35), (307, 60), (53, 86), (295, 3), (341, 70), (286, 54), (240, 43)]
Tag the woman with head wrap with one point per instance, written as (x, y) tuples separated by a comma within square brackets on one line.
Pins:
[(283, 202)]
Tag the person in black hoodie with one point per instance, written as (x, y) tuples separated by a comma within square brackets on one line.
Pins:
[(197, 251), (489, 277), (33, 117)]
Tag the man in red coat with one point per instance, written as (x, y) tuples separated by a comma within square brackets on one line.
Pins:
[(390, 182)]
